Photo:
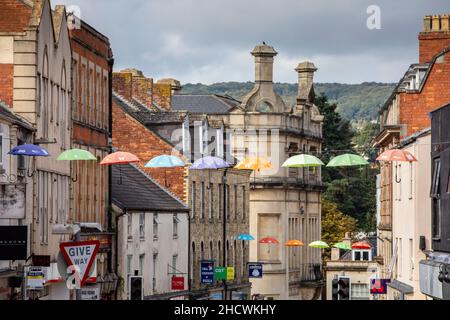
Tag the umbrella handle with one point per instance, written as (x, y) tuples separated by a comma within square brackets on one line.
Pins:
[(76, 177), (28, 170), (396, 179)]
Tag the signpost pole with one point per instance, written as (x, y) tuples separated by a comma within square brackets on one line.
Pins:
[(78, 289)]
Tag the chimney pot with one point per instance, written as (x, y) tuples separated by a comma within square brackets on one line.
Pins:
[(445, 22), (427, 23), (436, 23)]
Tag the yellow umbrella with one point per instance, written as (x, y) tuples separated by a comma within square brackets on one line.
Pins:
[(254, 163)]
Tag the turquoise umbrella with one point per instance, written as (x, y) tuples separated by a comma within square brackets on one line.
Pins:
[(165, 161), (301, 161), (245, 237), (347, 160)]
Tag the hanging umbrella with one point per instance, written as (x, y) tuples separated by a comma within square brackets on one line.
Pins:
[(347, 160), (396, 155), (76, 154), (301, 161), (245, 237), (119, 157), (165, 161), (30, 150), (294, 243), (342, 245), (268, 240), (361, 245), (254, 163), (319, 245), (209, 163)]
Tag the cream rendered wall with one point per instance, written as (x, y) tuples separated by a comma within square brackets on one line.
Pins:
[(412, 214)]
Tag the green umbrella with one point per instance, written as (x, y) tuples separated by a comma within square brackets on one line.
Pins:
[(75, 155), (347, 160), (302, 160), (343, 246), (319, 245)]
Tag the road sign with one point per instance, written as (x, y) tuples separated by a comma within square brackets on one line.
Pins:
[(220, 273), (230, 273), (13, 242), (35, 278), (41, 261), (379, 286), (255, 270), (207, 271), (90, 293), (80, 254)]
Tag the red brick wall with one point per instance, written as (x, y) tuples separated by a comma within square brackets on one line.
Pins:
[(123, 84), (436, 92), (6, 83), (14, 15), (162, 95), (432, 43), (131, 136)]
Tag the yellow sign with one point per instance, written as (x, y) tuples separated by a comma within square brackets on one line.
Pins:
[(230, 273)]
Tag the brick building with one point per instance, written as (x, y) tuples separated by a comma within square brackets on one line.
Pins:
[(424, 87), (92, 63)]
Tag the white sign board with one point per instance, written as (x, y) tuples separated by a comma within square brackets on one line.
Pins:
[(90, 293), (80, 256), (35, 278)]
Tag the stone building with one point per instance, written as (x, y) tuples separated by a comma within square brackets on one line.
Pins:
[(284, 203), (424, 87), (36, 84)]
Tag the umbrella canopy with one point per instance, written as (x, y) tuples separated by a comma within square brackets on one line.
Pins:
[(209, 163), (165, 161), (361, 245), (268, 240), (302, 160), (294, 243), (245, 237), (319, 245), (76, 154), (31, 150), (396, 155), (254, 163), (343, 246), (119, 157), (347, 160)]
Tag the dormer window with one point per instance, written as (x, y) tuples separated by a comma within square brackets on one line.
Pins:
[(362, 255), (264, 107)]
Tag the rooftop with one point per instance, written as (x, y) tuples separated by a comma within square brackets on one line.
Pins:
[(209, 104)]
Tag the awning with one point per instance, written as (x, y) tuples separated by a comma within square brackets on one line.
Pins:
[(400, 286)]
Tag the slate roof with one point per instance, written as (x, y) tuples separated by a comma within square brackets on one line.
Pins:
[(210, 104), (8, 115), (140, 192)]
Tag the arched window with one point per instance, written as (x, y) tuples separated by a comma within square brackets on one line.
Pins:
[(228, 254), (219, 253), (193, 264), (264, 106), (211, 254), (202, 251), (243, 264), (235, 255), (44, 94)]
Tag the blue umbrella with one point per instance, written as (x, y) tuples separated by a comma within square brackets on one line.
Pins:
[(209, 163), (29, 150), (245, 237), (165, 161)]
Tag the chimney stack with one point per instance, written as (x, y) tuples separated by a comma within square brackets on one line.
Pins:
[(305, 72), (435, 36), (264, 63), (174, 84), (132, 84)]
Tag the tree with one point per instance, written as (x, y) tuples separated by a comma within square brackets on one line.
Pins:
[(335, 223)]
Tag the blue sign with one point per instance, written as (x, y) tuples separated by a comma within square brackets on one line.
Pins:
[(255, 270), (207, 271)]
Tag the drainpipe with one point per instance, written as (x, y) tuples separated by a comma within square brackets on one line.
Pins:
[(224, 214), (117, 246), (109, 213)]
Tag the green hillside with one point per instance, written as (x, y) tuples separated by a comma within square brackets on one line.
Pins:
[(355, 101)]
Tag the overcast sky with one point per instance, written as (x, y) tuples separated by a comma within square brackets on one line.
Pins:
[(210, 41)]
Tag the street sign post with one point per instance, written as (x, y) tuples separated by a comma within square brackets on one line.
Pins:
[(80, 254), (177, 283), (207, 272), (90, 293), (255, 270), (220, 273), (35, 278), (230, 273)]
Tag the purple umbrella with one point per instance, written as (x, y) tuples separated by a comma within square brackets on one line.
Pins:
[(209, 163), (30, 150)]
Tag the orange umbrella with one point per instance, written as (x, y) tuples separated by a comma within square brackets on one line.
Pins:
[(361, 245), (294, 243), (396, 155), (119, 157)]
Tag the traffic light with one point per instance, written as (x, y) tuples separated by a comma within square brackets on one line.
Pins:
[(335, 289), (344, 288), (136, 290)]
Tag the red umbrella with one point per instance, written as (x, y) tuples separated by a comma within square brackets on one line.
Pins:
[(361, 245), (119, 157), (396, 155), (268, 240)]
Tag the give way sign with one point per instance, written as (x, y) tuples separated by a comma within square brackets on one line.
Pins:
[(80, 255)]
